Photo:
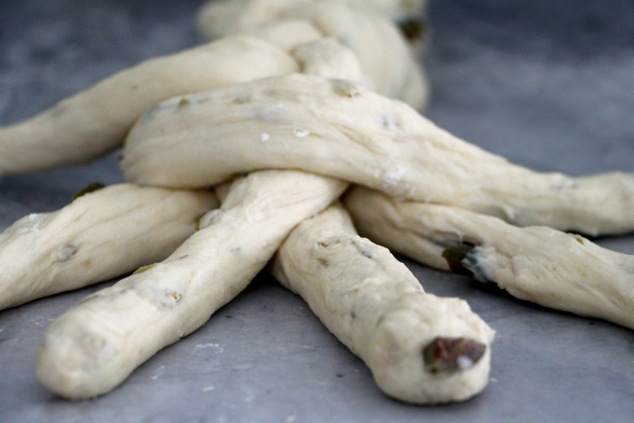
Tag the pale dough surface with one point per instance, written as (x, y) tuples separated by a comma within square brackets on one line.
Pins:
[(376, 307), (219, 18), (95, 345), (389, 61), (539, 264), (339, 129), (99, 236), (94, 122)]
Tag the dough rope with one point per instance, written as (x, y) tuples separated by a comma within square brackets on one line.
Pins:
[(97, 119), (95, 345), (339, 129), (81, 370), (378, 309), (99, 236), (539, 264), (220, 18), (376, 42), (334, 128)]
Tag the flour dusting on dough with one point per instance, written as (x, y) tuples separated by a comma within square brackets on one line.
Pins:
[(393, 176), (36, 221), (302, 133), (388, 123), (270, 112)]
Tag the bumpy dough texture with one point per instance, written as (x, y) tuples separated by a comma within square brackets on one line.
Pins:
[(95, 345), (385, 56), (338, 129), (94, 122), (219, 18), (376, 307), (330, 127), (97, 237), (539, 264)]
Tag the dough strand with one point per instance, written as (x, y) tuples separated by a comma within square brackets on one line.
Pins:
[(297, 101), (377, 308), (94, 346), (554, 269), (99, 236)]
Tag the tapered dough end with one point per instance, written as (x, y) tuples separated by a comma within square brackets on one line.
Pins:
[(93, 347), (69, 358), (99, 236), (397, 350), (94, 121)]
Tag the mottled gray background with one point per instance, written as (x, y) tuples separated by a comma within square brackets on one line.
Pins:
[(547, 84)]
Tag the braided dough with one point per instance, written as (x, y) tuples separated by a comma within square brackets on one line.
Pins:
[(384, 54), (222, 17), (95, 345), (420, 348)]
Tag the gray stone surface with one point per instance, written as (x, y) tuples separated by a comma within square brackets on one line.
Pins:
[(548, 84)]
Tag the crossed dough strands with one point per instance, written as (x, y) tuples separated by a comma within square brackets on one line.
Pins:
[(338, 129), (95, 121), (78, 384), (81, 385), (376, 307), (219, 18), (539, 264), (97, 223), (77, 357), (69, 382), (379, 46), (98, 118), (95, 345)]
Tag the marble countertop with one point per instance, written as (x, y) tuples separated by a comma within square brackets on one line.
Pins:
[(547, 84)]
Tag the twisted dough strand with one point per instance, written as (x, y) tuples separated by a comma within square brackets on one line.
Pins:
[(338, 129), (95, 345), (95, 121), (330, 127), (539, 264), (220, 18), (83, 370), (381, 49)]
